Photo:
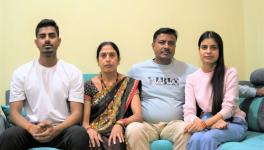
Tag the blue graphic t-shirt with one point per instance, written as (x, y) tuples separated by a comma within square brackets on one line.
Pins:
[(162, 89)]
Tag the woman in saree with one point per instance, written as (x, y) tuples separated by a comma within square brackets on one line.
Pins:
[(111, 102)]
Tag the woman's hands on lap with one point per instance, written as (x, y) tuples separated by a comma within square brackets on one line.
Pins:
[(196, 126), (220, 124), (117, 133), (95, 137)]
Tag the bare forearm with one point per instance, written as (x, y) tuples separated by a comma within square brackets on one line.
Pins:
[(134, 118), (73, 118), (86, 114), (137, 112), (86, 123), (16, 117), (19, 120)]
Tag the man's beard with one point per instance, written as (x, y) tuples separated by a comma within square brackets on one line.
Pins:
[(48, 50)]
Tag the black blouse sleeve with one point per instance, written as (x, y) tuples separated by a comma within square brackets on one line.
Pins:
[(89, 89)]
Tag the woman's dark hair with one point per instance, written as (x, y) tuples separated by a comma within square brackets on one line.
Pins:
[(217, 80), (108, 43)]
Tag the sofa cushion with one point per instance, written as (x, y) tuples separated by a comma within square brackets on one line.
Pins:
[(253, 141), (6, 110), (257, 77), (88, 76), (161, 145), (254, 108), (3, 124)]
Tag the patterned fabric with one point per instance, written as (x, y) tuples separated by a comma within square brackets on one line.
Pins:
[(110, 104)]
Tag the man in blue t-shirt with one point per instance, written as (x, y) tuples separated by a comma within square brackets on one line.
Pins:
[(163, 82)]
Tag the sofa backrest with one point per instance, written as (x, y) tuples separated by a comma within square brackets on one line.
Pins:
[(88, 76), (7, 93)]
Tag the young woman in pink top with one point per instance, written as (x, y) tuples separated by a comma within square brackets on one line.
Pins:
[(210, 99)]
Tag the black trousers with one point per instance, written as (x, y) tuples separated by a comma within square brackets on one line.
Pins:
[(17, 138)]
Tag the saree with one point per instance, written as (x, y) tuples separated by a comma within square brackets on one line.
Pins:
[(110, 105)]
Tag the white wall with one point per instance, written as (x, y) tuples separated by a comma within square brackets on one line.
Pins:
[(254, 35)]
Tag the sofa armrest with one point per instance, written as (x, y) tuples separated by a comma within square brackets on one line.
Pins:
[(3, 124), (254, 109)]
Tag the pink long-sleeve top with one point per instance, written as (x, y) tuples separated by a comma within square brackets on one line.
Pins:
[(198, 89)]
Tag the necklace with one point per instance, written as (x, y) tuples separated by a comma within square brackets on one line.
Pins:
[(102, 81)]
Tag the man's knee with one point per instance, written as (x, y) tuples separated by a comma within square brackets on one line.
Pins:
[(77, 138), (14, 132), (174, 131), (77, 132), (14, 138), (134, 129), (137, 137)]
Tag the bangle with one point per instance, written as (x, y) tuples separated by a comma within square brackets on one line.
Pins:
[(89, 127), (124, 121), (121, 124), (29, 127)]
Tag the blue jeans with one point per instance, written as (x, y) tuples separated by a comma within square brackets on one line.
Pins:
[(210, 139)]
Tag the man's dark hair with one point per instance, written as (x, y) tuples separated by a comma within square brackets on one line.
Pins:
[(46, 23), (165, 31)]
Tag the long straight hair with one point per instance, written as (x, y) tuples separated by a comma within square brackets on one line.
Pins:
[(217, 80)]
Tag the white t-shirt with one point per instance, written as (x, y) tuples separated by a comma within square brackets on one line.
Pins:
[(162, 89), (47, 91)]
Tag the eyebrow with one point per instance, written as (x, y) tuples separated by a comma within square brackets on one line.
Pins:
[(50, 33)]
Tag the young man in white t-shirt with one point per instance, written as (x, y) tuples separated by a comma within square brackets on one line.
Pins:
[(51, 92)]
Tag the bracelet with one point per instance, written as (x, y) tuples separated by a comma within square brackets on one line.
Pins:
[(89, 127), (121, 124), (124, 121)]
